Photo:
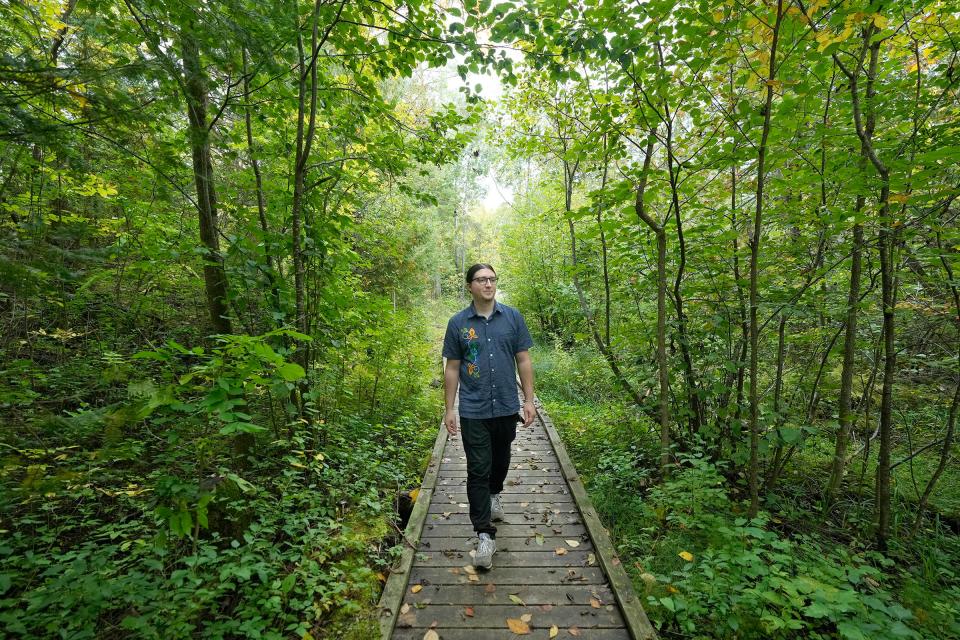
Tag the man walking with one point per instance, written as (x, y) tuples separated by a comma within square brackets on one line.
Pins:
[(481, 345)]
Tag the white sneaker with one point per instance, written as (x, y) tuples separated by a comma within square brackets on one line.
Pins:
[(483, 557), (496, 507)]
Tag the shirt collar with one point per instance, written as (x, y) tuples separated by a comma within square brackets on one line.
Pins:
[(497, 308)]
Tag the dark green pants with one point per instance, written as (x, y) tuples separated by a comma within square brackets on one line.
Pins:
[(487, 445)]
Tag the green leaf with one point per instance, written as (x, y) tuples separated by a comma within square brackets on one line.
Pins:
[(240, 427), (291, 371)]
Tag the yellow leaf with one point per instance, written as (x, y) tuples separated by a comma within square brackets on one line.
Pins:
[(879, 21), (527, 617), (573, 543), (686, 555), (515, 599), (431, 635), (847, 32), (899, 198), (417, 588), (519, 627), (554, 631), (560, 551), (595, 603), (413, 494)]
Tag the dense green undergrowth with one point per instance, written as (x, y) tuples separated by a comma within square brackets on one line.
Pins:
[(706, 571), (173, 496)]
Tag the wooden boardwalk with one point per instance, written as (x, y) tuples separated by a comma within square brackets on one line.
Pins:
[(554, 565)]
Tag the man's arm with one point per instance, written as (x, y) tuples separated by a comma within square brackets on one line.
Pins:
[(451, 380), (525, 369)]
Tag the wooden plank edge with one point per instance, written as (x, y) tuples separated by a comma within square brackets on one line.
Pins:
[(633, 613), (396, 586)]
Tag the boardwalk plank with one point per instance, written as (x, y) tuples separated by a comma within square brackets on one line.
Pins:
[(507, 558), (507, 575), (504, 530), (538, 633), (471, 594), (495, 616)]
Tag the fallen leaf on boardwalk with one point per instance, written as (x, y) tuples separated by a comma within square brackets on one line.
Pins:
[(470, 569), (573, 543), (574, 631), (560, 551), (490, 588), (594, 603), (515, 599), (519, 627), (473, 578), (468, 611), (539, 539), (524, 504), (527, 617), (417, 588), (431, 635), (554, 631), (404, 608), (591, 559), (546, 607), (455, 570)]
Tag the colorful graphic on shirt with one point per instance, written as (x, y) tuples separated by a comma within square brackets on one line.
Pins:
[(472, 355)]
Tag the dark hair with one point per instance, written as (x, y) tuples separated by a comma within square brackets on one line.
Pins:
[(472, 271)]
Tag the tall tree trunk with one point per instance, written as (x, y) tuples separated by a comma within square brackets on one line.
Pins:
[(846, 414), (214, 276), (603, 246), (306, 128), (754, 469), (662, 370), (272, 275), (695, 417)]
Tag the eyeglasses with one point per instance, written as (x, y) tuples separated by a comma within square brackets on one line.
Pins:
[(486, 280)]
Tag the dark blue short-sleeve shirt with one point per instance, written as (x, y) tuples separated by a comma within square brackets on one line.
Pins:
[(486, 349)]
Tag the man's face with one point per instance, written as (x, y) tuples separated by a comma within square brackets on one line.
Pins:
[(483, 287)]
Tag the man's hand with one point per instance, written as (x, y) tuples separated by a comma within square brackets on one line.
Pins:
[(450, 421), (529, 413)]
